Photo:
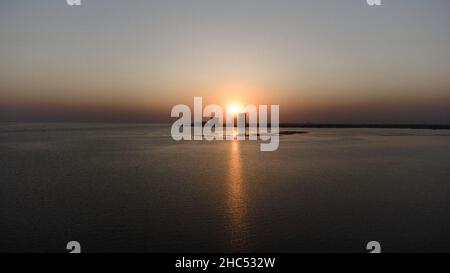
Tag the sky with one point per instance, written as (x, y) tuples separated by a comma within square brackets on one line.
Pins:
[(322, 61)]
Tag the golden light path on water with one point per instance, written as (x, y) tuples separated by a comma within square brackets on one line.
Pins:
[(237, 204)]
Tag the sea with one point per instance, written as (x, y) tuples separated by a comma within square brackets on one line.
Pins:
[(132, 188)]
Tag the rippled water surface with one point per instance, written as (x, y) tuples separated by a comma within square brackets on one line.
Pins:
[(131, 188)]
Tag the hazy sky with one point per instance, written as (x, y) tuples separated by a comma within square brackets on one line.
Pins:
[(321, 60)]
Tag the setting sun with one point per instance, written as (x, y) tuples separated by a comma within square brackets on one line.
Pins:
[(235, 109)]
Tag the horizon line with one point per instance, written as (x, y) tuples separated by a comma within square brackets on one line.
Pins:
[(432, 126)]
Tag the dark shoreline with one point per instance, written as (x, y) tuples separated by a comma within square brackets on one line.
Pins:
[(360, 126), (112, 125), (367, 126)]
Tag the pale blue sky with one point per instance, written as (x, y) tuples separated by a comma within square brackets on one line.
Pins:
[(322, 60)]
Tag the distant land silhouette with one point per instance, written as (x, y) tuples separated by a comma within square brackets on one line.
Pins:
[(359, 126), (368, 126)]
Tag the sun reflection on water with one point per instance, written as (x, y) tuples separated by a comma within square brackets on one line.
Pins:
[(237, 205)]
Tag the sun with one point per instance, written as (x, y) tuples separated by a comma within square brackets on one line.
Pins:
[(235, 109)]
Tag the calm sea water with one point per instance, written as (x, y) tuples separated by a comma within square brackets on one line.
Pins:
[(131, 188)]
